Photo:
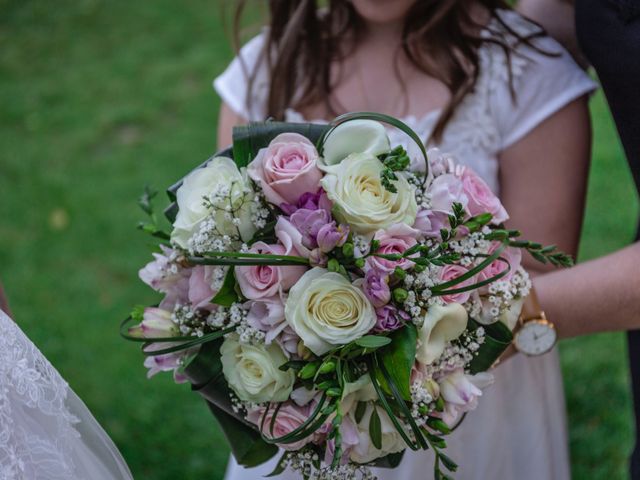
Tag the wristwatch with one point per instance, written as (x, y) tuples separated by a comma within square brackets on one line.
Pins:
[(536, 335)]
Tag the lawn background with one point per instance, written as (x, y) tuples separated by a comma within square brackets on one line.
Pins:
[(98, 98)]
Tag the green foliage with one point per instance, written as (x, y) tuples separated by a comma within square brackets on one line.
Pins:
[(375, 429), (133, 105), (227, 294), (398, 358), (395, 161)]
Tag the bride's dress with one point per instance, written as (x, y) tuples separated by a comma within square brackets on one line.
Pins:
[(46, 431), (518, 430)]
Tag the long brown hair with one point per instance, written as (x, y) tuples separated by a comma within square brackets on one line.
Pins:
[(439, 37)]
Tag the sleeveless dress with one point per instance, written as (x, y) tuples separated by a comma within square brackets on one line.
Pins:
[(519, 429)]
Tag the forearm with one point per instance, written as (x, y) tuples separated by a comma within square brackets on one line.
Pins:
[(4, 304), (596, 296)]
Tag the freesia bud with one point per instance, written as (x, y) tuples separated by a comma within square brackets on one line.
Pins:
[(331, 236), (400, 295)]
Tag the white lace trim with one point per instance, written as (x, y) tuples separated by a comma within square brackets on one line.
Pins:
[(32, 392)]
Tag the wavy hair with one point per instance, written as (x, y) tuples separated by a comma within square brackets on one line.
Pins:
[(439, 37)]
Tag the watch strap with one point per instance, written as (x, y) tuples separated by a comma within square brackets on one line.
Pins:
[(531, 309)]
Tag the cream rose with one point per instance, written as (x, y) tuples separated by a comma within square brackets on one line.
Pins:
[(355, 136), (325, 310), (224, 184), (253, 372), (440, 325), (392, 441), (359, 199)]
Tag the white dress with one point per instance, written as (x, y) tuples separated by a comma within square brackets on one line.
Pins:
[(46, 432), (519, 429)]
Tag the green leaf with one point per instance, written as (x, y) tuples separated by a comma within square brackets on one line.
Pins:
[(438, 424), (398, 358), (246, 444), (280, 467), (249, 139), (373, 341), (389, 461), (360, 409), (206, 365), (447, 462), (375, 429), (227, 295), (497, 338)]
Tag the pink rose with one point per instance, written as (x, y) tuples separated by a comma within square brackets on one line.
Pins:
[(286, 169), (430, 222), (511, 255), (262, 281), (395, 240), (445, 190), (290, 416), (449, 272), (481, 198)]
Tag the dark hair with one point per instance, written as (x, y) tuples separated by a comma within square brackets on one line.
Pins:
[(440, 37)]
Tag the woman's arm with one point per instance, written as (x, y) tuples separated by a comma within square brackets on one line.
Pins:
[(4, 303), (227, 119), (596, 296), (558, 19), (543, 180)]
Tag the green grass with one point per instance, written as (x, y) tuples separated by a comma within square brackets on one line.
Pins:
[(98, 98)]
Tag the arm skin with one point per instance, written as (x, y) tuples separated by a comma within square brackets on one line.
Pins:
[(4, 304), (226, 121), (543, 180), (557, 18), (596, 296)]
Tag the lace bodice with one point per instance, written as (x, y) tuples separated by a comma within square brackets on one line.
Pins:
[(46, 432), (488, 120)]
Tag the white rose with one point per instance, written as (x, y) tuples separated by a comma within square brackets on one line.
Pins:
[(355, 136), (252, 371), (325, 310), (440, 325), (362, 390), (359, 199), (392, 442), (220, 176)]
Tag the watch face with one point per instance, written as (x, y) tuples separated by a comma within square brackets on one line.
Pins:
[(536, 337)]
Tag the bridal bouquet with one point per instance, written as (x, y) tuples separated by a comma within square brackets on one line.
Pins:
[(331, 296)]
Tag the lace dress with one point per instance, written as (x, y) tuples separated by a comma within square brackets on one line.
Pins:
[(518, 430), (46, 432)]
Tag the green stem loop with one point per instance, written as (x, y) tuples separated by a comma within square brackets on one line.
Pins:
[(379, 117)]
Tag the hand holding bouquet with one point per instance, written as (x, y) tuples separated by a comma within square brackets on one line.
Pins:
[(331, 296)]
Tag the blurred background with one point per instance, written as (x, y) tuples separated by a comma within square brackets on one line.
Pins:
[(99, 98)]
